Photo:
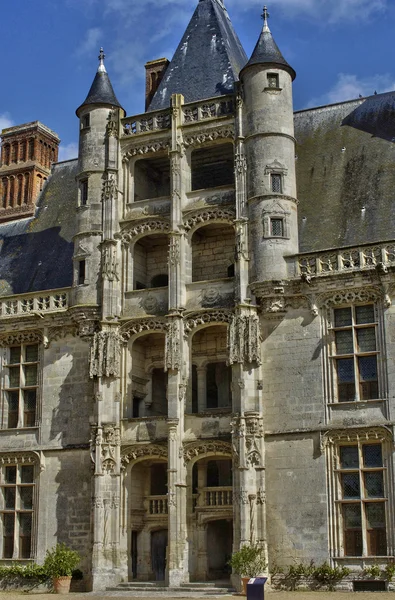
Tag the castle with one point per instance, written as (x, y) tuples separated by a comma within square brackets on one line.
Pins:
[(197, 327)]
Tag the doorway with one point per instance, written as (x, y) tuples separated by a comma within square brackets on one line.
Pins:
[(158, 553), (219, 548)]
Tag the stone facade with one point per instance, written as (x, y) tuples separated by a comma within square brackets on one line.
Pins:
[(199, 384)]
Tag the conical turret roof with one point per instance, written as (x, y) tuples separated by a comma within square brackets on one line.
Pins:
[(266, 50), (101, 91), (207, 61)]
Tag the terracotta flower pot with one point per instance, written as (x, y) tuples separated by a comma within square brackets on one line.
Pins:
[(61, 585), (244, 581)]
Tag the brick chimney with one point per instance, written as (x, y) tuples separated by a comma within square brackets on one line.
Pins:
[(154, 71), (27, 153)]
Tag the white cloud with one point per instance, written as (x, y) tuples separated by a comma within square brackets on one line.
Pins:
[(91, 42), (348, 87), (5, 121), (68, 151)]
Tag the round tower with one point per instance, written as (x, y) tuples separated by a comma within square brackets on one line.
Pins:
[(270, 151), (99, 116)]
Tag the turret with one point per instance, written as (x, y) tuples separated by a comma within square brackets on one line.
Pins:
[(99, 117), (270, 152)]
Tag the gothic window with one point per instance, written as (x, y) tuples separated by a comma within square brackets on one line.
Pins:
[(277, 227), (355, 353), (84, 192), (272, 80), (17, 503), (362, 499), (276, 183), (21, 386)]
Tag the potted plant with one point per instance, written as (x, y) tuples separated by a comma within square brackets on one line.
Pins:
[(248, 562), (59, 565)]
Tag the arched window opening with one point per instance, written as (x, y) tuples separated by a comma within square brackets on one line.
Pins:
[(213, 249), (20, 190), (151, 178), (148, 383), (150, 262), (212, 167), (4, 192)]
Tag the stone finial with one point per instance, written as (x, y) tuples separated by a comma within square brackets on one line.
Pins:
[(265, 16), (101, 57)]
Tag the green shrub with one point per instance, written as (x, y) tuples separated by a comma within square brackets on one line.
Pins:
[(389, 571), (327, 575), (373, 571), (60, 561), (249, 561), (16, 571)]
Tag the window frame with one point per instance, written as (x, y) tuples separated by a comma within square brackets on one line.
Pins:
[(23, 420), (363, 499), (84, 192), (19, 463), (356, 355)]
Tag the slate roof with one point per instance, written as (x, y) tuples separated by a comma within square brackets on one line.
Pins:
[(101, 92), (346, 173), (207, 61), (266, 51), (36, 253)]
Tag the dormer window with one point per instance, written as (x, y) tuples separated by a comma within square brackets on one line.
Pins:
[(273, 80)]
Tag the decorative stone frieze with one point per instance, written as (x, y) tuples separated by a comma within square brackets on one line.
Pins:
[(22, 458), (194, 449), (105, 354), (175, 249), (360, 434), (244, 339), (146, 148), (110, 189), (209, 136), (148, 226), (198, 318), (132, 453), (349, 296), (139, 326), (112, 125), (223, 215), (21, 337)]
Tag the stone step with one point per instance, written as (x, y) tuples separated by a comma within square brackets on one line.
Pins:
[(205, 588)]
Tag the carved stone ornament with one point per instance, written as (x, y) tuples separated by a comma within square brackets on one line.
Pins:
[(141, 212), (240, 163), (211, 297), (198, 318), (110, 263), (21, 337), (105, 440), (241, 247), (148, 226), (223, 215), (112, 124), (360, 434), (195, 449), (110, 189), (260, 497), (21, 458), (132, 453), (86, 319), (172, 346), (134, 327), (105, 354), (349, 297), (209, 136), (56, 333), (244, 339), (240, 497), (147, 148), (175, 249)]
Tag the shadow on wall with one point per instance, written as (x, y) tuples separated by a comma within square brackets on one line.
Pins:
[(36, 261)]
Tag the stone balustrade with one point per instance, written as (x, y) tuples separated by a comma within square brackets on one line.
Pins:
[(217, 496), (34, 303), (373, 255), (158, 505), (147, 122), (208, 109)]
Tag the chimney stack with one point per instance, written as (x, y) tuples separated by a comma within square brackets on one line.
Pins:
[(154, 71)]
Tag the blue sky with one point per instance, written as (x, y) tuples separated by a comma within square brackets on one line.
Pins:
[(49, 48)]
